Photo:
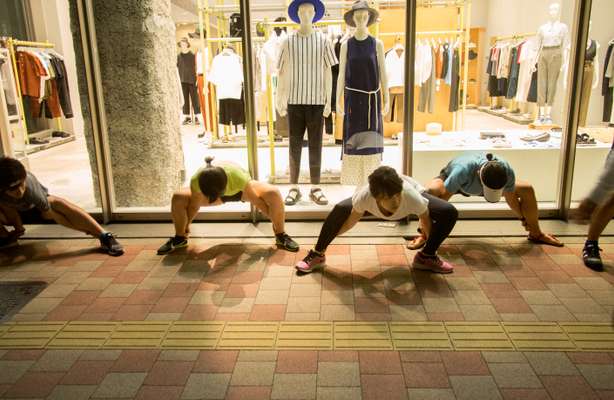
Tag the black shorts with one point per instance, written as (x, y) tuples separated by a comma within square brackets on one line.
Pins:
[(32, 216), (232, 111), (234, 198)]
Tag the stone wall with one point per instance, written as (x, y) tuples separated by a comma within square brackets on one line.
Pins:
[(136, 47)]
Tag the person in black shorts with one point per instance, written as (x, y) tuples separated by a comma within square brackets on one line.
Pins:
[(24, 200)]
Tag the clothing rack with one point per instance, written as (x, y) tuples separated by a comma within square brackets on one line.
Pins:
[(12, 45), (496, 39)]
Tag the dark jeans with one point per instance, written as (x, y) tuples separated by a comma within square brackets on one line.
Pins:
[(189, 92), (301, 117), (443, 218)]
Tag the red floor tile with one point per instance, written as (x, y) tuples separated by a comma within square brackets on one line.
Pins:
[(524, 394), (338, 249), (159, 393), (568, 388), (393, 260), (133, 277), (135, 312), (528, 283), (65, 313), (338, 356), (80, 298), (577, 271), (521, 272), (232, 316), (108, 271), (268, 312), (106, 305), (177, 289), (241, 290), (171, 305), (513, 305), (198, 312), (559, 276), (425, 375), (590, 358), (135, 361), (248, 393), (371, 305), (380, 362), (95, 316), (143, 296), (215, 285), (377, 387), (500, 290), (216, 361), (448, 316), (464, 363), (373, 317), (87, 373), (23, 355), (246, 277), (169, 373), (389, 249), (297, 362), (35, 384)]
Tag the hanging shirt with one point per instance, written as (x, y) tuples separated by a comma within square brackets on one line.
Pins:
[(553, 34), (272, 49), (395, 68), (306, 59), (448, 78), (412, 201), (227, 75), (423, 63), (199, 61), (527, 60)]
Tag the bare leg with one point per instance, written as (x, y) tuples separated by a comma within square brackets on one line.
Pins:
[(528, 209), (184, 207), (267, 199), (72, 216), (600, 219)]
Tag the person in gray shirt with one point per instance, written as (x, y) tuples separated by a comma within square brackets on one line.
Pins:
[(24, 200)]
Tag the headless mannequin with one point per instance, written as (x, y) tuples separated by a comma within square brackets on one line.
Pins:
[(361, 18), (184, 47), (306, 13), (595, 62), (546, 34)]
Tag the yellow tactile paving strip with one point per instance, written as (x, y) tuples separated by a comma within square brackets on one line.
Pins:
[(318, 335)]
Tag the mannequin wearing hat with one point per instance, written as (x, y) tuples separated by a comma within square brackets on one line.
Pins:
[(304, 92), (361, 84), (186, 64)]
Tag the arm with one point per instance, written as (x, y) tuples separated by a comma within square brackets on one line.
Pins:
[(328, 89), (341, 78), (283, 81), (381, 61), (350, 222)]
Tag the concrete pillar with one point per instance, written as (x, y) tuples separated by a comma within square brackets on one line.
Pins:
[(137, 51)]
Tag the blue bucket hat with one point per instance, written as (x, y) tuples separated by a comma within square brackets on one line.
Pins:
[(317, 5)]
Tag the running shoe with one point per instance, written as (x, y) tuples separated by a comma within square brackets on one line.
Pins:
[(172, 244), (311, 261), (591, 257), (110, 245), (432, 263), (284, 241)]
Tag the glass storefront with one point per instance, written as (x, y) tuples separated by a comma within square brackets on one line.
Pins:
[(164, 87)]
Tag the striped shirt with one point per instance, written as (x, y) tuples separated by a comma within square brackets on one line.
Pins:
[(306, 59)]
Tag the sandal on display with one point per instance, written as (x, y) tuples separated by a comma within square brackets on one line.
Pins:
[(317, 196), (543, 239), (294, 195), (584, 139)]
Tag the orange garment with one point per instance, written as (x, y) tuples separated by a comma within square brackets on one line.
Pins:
[(51, 104), (438, 62), (30, 71)]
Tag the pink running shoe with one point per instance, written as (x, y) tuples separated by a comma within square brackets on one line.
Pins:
[(311, 261), (432, 263)]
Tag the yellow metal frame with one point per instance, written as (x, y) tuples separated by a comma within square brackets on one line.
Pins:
[(12, 44)]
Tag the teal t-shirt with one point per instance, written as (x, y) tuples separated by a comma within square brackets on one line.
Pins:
[(462, 174), (237, 178)]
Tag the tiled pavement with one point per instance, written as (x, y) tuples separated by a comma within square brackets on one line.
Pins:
[(495, 280)]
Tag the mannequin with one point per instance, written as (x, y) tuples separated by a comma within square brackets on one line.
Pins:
[(590, 77), (553, 37), (395, 73), (186, 64), (304, 92), (272, 49), (362, 77)]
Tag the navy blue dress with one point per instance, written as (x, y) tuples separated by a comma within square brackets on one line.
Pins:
[(363, 132)]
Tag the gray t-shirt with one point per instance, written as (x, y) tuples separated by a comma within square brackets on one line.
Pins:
[(34, 197)]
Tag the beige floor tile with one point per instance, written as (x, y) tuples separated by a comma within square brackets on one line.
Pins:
[(407, 313), (339, 393), (238, 305), (72, 392), (119, 385), (272, 297), (306, 279), (479, 313), (305, 290), (551, 363), (337, 312), (335, 297), (475, 388), (206, 386), (21, 317), (514, 375), (13, 370), (56, 360), (565, 259), (598, 376), (253, 374), (539, 297), (582, 305), (431, 394), (294, 386), (490, 277), (521, 317), (338, 374), (302, 316), (567, 290), (277, 271), (504, 357), (163, 317), (596, 283), (95, 284), (470, 297), (75, 277), (440, 305), (41, 305), (463, 283), (57, 290), (582, 317), (303, 305), (257, 355), (208, 297), (118, 290), (552, 313), (275, 283), (603, 297)]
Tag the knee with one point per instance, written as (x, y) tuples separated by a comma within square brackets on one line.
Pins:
[(180, 199), (451, 212), (57, 203), (524, 190)]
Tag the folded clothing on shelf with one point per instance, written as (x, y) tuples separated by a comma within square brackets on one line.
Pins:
[(491, 134), (538, 136)]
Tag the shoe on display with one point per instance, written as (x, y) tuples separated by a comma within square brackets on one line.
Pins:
[(60, 134), (317, 196), (38, 141), (312, 260), (591, 257), (172, 244), (284, 241), (432, 263), (540, 136), (294, 195), (491, 134), (187, 121), (110, 245)]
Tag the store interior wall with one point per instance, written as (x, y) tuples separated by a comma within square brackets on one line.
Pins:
[(50, 20)]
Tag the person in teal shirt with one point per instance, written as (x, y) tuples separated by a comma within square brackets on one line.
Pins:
[(491, 177), (221, 183)]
